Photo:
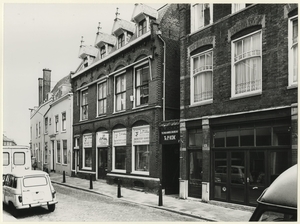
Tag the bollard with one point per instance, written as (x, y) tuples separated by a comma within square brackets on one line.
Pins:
[(91, 181), (64, 177), (119, 188), (160, 199)]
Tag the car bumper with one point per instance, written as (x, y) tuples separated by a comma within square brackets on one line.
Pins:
[(35, 205)]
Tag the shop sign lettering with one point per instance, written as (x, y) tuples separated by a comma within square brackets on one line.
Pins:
[(119, 138), (141, 135), (102, 139), (87, 141)]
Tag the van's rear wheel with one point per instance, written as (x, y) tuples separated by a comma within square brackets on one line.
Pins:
[(51, 208)]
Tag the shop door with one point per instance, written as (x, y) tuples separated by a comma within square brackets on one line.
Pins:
[(195, 174), (102, 163)]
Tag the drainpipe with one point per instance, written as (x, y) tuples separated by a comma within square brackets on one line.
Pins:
[(164, 75)]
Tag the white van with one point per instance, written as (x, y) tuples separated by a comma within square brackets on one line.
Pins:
[(16, 158)]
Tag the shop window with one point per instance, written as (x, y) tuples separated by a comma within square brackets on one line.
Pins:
[(142, 158), (65, 148), (58, 151), (278, 164), (293, 50), (202, 77), (119, 150), (232, 138), (87, 158), (281, 136), (219, 139), (120, 158), (247, 65), (263, 136), (195, 137), (247, 137)]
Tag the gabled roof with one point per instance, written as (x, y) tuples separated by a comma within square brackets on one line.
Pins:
[(103, 38), (6, 139), (64, 80), (87, 50), (120, 25), (141, 9)]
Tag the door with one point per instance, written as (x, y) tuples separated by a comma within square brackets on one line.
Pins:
[(102, 163), (195, 174)]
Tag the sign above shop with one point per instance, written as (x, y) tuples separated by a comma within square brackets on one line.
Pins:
[(169, 134), (87, 141), (141, 135), (119, 137), (102, 139)]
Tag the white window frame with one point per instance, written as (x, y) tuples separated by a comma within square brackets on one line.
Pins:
[(62, 158), (39, 128), (194, 15), (233, 77), (135, 87), (235, 7), (81, 105), (207, 68), (83, 154), (63, 121), (103, 51), (114, 152), (115, 92), (291, 46), (103, 98), (76, 145), (58, 154), (134, 150), (56, 126)]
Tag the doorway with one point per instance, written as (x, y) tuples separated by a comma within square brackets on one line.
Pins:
[(195, 173), (170, 169), (102, 163)]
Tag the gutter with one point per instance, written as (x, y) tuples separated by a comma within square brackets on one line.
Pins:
[(164, 75)]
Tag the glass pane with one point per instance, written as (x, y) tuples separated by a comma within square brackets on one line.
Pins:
[(120, 154), (263, 136), (195, 166), (278, 164), (281, 136), (5, 158), (34, 181), (232, 138), (88, 157), (220, 167), (219, 139), (247, 137), (142, 158), (19, 158), (237, 168)]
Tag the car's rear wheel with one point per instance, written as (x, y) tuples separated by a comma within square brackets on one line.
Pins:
[(51, 208)]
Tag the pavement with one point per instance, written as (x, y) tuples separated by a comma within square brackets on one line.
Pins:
[(212, 211)]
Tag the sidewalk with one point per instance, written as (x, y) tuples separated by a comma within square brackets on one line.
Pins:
[(212, 211)]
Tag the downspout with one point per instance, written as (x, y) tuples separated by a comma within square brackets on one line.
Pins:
[(164, 75)]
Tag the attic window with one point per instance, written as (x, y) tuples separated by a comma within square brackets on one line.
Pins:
[(86, 62), (102, 51), (142, 27), (121, 40)]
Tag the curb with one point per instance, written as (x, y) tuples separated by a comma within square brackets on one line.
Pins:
[(138, 203)]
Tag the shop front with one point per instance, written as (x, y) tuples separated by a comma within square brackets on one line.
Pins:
[(102, 143)]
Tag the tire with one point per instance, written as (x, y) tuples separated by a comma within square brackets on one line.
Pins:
[(51, 208), (13, 210)]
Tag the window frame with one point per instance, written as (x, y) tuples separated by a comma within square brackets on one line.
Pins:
[(142, 27), (192, 82), (64, 148), (56, 123), (121, 40), (233, 66), (85, 148), (63, 121), (135, 91), (122, 130), (103, 51), (46, 125), (84, 93), (46, 153), (116, 94), (104, 97), (236, 7), (194, 15), (58, 152), (291, 56)]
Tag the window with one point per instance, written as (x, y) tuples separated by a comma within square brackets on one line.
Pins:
[(39, 128), (120, 90), (76, 143), (293, 50), (39, 152), (46, 125), (201, 15), (142, 158), (84, 104), (34, 181), (6, 161), (247, 64), (195, 137), (63, 121), (202, 77), (36, 130), (102, 51), (87, 158), (56, 123), (142, 27), (121, 40), (65, 160), (58, 151), (119, 150), (46, 152), (142, 85), (237, 7), (102, 93)]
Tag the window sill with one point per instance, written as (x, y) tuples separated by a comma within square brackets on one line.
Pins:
[(87, 168), (245, 96), (146, 173), (140, 107), (64, 164), (118, 112), (293, 86), (204, 102), (83, 120), (101, 116), (65, 131), (119, 171)]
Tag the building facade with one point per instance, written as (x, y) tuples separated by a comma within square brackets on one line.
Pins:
[(238, 103), (8, 142), (126, 86), (58, 128)]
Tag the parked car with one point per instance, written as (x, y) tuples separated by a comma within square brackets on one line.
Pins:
[(279, 201), (27, 189), (237, 174)]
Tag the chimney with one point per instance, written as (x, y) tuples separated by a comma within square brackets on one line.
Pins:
[(46, 83), (40, 91)]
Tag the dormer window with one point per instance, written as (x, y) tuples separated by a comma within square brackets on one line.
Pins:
[(102, 51), (142, 27), (121, 40), (86, 62)]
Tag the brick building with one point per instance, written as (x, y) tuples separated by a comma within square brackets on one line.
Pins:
[(238, 103), (124, 89)]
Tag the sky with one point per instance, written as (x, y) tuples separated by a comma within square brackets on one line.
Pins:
[(45, 35)]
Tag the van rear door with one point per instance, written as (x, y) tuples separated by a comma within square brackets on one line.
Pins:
[(36, 189), (21, 160)]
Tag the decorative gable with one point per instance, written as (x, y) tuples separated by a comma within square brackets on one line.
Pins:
[(121, 26), (141, 11), (103, 38)]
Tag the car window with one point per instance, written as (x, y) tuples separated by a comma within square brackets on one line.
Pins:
[(14, 182), (276, 217), (5, 158), (19, 158), (34, 181), (8, 181)]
